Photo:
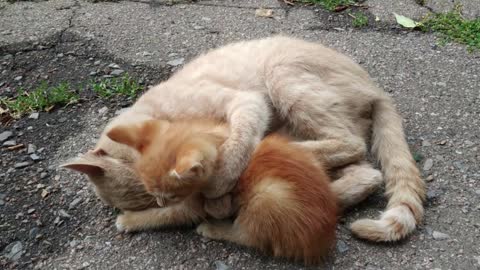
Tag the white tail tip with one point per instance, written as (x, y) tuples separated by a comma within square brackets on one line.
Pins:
[(395, 224)]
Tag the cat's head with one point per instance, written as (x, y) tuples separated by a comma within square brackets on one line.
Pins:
[(109, 167), (176, 160)]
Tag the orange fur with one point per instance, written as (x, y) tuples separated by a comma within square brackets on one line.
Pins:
[(301, 226), (285, 205)]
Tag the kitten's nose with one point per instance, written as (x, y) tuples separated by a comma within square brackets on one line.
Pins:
[(161, 202)]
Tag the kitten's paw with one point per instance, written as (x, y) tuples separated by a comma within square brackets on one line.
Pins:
[(122, 224), (205, 230)]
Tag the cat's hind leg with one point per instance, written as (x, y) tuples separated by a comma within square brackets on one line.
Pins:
[(356, 182), (318, 115)]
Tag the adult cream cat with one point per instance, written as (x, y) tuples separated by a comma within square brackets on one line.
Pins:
[(322, 96)]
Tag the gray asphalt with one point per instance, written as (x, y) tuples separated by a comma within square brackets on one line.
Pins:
[(436, 89)]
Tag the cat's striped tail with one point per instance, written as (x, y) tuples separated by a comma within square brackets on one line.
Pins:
[(404, 186)]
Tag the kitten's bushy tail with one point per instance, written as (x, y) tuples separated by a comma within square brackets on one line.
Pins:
[(404, 186)]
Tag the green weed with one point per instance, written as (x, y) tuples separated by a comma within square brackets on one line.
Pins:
[(124, 86), (330, 4), (359, 20), (41, 98), (452, 26)]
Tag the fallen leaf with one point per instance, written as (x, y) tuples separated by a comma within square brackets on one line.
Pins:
[(340, 8), (264, 12), (405, 22)]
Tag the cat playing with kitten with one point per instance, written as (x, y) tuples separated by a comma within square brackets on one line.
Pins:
[(322, 98)]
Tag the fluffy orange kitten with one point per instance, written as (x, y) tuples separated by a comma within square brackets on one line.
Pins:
[(284, 205)]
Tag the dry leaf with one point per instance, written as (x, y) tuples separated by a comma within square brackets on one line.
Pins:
[(264, 12), (405, 21)]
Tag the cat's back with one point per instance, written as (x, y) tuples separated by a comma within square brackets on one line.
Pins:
[(245, 65)]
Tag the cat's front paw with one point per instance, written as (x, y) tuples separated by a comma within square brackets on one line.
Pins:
[(122, 224), (205, 230)]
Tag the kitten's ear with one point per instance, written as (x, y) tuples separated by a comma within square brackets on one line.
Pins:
[(195, 171), (136, 135), (84, 166), (189, 167)]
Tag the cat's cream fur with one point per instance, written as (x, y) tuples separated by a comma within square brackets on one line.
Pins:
[(321, 95)]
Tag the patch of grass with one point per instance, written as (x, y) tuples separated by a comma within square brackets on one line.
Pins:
[(42, 98), (330, 4), (359, 19), (123, 86), (452, 26)]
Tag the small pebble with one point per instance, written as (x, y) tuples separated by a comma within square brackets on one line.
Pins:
[(14, 251), (117, 72), (176, 62), (73, 243), (342, 247), (63, 213), (219, 265), (5, 135), (103, 110), (31, 148), (34, 157), (10, 143), (74, 203), (18, 78), (34, 115), (21, 165), (33, 232), (440, 236), (426, 143), (428, 164)]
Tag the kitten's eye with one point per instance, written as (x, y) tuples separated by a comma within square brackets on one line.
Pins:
[(171, 197)]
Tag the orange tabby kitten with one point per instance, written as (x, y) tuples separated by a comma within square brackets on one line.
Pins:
[(283, 202)]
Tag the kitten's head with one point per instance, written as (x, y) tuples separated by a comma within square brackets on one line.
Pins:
[(109, 167), (176, 160)]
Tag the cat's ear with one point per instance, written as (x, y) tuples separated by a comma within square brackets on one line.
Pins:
[(84, 166)]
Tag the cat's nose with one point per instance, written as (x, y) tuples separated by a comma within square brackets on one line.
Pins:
[(161, 202)]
